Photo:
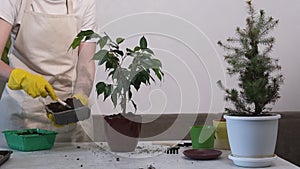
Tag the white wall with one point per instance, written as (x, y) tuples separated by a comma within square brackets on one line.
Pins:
[(183, 35)]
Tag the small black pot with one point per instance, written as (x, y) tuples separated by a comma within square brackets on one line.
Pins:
[(63, 115)]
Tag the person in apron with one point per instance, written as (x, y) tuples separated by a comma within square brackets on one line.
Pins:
[(41, 51)]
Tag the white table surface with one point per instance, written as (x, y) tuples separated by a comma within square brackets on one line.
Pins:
[(97, 156)]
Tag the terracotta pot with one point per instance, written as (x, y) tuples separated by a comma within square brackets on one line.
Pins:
[(122, 132)]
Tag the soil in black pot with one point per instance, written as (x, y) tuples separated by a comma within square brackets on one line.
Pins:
[(64, 115), (128, 116), (128, 124), (72, 102)]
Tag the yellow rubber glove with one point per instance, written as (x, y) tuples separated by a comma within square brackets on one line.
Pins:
[(82, 98), (33, 85)]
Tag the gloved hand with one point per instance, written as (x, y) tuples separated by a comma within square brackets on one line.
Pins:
[(82, 98), (50, 116), (33, 85)]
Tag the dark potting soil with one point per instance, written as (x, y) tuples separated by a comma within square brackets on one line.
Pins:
[(72, 102), (29, 133), (151, 167), (263, 114), (120, 115)]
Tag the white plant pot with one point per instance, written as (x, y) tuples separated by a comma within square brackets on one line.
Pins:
[(252, 138)]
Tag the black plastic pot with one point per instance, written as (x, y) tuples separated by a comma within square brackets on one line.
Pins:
[(122, 132), (63, 115)]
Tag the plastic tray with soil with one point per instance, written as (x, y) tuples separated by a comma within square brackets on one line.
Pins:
[(63, 115), (30, 139)]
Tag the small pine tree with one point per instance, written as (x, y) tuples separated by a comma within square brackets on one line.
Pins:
[(248, 57)]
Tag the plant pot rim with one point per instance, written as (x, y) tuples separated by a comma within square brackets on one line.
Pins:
[(272, 117), (219, 121)]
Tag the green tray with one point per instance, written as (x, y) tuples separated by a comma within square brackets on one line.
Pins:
[(30, 139)]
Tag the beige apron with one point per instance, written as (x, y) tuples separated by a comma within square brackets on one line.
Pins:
[(41, 46)]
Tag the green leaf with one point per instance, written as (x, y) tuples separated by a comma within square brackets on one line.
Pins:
[(100, 88), (141, 77), (149, 51), (137, 48), (158, 73), (4, 57), (112, 62), (114, 45), (129, 94), (85, 33), (118, 52), (136, 82), (103, 60), (100, 55), (120, 40), (157, 63), (134, 105), (150, 63), (89, 36), (103, 41), (143, 43), (129, 50), (107, 91), (111, 73), (76, 42)]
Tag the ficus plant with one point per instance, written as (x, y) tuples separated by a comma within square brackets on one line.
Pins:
[(142, 67), (248, 57), (5, 51)]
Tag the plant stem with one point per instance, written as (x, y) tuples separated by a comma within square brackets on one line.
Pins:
[(124, 100)]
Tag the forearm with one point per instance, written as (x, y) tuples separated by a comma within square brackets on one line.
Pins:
[(85, 68), (5, 71)]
